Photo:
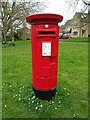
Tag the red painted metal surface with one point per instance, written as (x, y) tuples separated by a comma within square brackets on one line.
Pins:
[(44, 30)]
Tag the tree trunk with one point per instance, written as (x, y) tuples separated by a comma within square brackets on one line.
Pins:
[(12, 35), (4, 40)]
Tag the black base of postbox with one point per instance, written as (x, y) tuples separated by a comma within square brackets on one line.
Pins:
[(45, 95)]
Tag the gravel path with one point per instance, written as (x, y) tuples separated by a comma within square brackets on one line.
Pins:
[(74, 42)]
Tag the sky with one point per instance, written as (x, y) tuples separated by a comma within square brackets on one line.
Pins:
[(60, 7)]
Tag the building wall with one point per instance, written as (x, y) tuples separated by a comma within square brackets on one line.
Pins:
[(84, 31), (75, 32), (89, 29)]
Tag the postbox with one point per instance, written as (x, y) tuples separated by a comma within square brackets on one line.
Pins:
[(44, 41)]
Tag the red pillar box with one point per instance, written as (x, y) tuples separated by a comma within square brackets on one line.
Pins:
[(45, 39)]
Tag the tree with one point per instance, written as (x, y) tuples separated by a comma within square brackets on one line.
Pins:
[(13, 15), (73, 4), (86, 2)]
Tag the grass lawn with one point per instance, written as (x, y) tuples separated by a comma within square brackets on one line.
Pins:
[(71, 98), (76, 40), (0, 80)]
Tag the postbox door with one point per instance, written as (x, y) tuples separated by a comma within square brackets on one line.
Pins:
[(46, 52)]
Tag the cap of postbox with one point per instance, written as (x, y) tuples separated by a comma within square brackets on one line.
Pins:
[(44, 18)]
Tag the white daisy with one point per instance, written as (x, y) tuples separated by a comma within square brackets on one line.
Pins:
[(55, 108), (41, 105), (19, 98), (5, 106)]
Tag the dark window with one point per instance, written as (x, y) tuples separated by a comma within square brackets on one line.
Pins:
[(75, 33)]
